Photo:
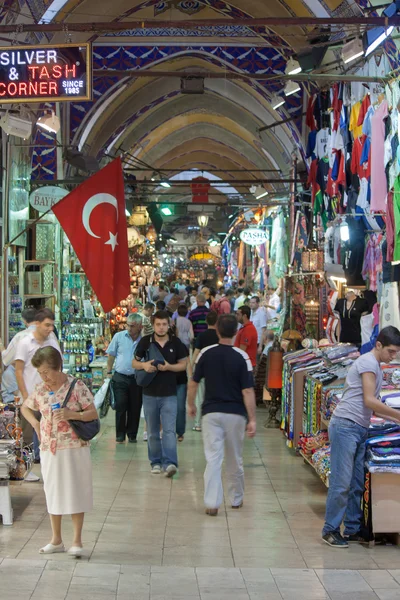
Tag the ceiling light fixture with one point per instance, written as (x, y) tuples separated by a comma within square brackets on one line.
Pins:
[(13, 125), (374, 37), (165, 184), (277, 101), (202, 220), (293, 67), (262, 195), (292, 87), (352, 50), (166, 211), (49, 122)]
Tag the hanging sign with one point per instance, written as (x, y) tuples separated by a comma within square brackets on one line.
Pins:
[(200, 187), (45, 197), (253, 236), (45, 73)]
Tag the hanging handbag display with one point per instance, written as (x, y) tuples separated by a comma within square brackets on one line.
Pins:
[(143, 378), (85, 430)]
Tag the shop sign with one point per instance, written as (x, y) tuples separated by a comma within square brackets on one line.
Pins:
[(45, 197), (253, 236), (45, 73)]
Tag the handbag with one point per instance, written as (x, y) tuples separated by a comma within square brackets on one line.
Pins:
[(142, 378), (85, 430)]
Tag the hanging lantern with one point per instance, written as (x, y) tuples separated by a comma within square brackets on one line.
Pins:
[(312, 260), (151, 234), (275, 366)]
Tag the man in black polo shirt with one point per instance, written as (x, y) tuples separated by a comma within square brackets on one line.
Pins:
[(159, 397), (229, 400)]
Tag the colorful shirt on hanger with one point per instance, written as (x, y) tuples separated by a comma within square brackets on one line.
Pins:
[(378, 175)]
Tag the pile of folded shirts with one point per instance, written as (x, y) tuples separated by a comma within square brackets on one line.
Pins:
[(383, 448)]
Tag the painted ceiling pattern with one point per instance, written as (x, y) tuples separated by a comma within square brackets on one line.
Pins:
[(251, 60)]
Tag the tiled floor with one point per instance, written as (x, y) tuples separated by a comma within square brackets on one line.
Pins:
[(148, 537)]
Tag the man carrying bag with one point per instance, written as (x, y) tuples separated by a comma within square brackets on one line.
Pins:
[(158, 359)]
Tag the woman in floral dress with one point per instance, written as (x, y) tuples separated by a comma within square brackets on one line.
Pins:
[(65, 458)]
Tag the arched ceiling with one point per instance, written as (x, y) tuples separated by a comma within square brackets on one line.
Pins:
[(151, 119)]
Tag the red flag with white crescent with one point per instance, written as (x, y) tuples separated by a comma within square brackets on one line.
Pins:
[(93, 218)]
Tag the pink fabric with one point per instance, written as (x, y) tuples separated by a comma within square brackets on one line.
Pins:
[(378, 176)]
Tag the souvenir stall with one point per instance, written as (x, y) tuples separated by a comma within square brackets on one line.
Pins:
[(16, 460), (354, 180), (84, 325)]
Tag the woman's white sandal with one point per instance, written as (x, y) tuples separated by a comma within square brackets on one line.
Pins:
[(52, 549), (75, 551)]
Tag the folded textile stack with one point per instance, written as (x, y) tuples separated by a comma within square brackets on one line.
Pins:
[(329, 401), (311, 443), (383, 449), (391, 398), (321, 459)]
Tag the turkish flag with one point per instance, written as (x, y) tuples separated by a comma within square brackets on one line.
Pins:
[(93, 218)]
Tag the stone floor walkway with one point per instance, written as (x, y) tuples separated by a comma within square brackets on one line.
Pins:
[(149, 539)]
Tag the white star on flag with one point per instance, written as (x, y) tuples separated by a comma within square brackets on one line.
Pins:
[(112, 241)]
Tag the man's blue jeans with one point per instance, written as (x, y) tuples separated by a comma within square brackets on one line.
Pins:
[(161, 409), (181, 392), (346, 481)]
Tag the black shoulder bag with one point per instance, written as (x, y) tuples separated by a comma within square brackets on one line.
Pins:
[(85, 430), (144, 379)]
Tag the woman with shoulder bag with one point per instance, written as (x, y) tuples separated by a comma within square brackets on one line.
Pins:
[(67, 409)]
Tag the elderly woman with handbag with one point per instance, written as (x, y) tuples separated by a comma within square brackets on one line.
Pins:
[(68, 420)]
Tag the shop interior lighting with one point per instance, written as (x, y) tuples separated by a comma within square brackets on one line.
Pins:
[(17, 126), (352, 50), (262, 195), (202, 220), (292, 87), (49, 122), (293, 67), (374, 37), (344, 232), (166, 211), (277, 101), (165, 184), (214, 243)]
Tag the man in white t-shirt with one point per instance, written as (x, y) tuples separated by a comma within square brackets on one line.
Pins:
[(259, 320), (28, 316), (240, 300), (273, 304), (26, 374)]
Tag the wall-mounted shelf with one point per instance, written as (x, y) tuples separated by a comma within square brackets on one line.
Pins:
[(39, 295), (33, 263)]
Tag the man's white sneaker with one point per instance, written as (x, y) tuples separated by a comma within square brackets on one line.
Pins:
[(156, 469), (31, 477), (170, 471)]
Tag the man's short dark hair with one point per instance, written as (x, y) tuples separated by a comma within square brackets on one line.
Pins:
[(229, 293), (161, 286), (212, 318), (240, 290), (160, 305), (44, 313), (182, 310), (389, 336), (148, 305), (247, 291), (161, 315), (227, 326), (29, 315), (245, 310), (256, 298)]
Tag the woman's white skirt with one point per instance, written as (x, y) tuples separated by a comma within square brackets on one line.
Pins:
[(67, 477)]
